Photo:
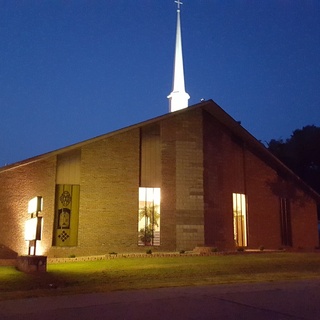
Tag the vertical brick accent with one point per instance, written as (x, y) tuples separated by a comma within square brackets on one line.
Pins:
[(183, 197), (168, 188), (223, 175)]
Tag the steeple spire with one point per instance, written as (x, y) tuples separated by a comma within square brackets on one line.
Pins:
[(178, 98)]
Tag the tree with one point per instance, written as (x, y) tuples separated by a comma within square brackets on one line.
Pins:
[(150, 215), (301, 153)]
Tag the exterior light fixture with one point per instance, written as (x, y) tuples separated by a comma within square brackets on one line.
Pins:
[(33, 226), (33, 230), (35, 205)]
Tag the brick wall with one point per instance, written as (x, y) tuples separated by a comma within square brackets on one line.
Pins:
[(17, 187), (202, 164), (230, 167), (109, 195), (264, 209), (223, 175), (182, 181), (263, 205), (304, 223)]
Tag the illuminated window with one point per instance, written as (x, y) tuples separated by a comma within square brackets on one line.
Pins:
[(66, 215), (285, 222), (239, 219), (149, 217)]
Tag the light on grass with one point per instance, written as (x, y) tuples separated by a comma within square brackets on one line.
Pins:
[(127, 273)]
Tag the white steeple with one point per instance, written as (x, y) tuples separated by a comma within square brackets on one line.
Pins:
[(178, 98)]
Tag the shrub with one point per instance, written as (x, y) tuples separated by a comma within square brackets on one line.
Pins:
[(149, 251)]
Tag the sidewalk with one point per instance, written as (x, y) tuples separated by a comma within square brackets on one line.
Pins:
[(288, 300)]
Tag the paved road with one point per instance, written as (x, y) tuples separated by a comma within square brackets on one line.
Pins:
[(290, 300)]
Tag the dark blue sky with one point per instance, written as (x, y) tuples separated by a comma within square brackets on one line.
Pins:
[(74, 69)]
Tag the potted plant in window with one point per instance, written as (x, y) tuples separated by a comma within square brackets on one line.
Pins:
[(150, 215), (146, 236)]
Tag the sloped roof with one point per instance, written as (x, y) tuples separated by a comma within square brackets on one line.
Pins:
[(220, 115)]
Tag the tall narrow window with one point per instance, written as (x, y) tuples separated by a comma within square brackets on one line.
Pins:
[(285, 222), (66, 215), (149, 217), (239, 219)]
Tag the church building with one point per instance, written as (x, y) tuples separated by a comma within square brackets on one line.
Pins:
[(192, 177)]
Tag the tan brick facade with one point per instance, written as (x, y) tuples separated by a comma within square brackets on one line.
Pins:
[(204, 159), (17, 187)]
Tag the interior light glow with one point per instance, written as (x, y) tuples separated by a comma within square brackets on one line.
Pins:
[(240, 219), (152, 194), (149, 217)]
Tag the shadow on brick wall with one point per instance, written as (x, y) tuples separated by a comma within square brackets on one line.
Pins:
[(6, 253)]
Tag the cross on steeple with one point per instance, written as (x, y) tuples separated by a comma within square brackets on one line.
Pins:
[(178, 3)]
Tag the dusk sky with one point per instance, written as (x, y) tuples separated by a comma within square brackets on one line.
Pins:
[(71, 70)]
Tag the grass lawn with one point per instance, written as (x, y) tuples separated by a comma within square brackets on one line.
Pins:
[(138, 273)]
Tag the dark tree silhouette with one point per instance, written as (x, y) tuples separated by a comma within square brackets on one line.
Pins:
[(301, 153)]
